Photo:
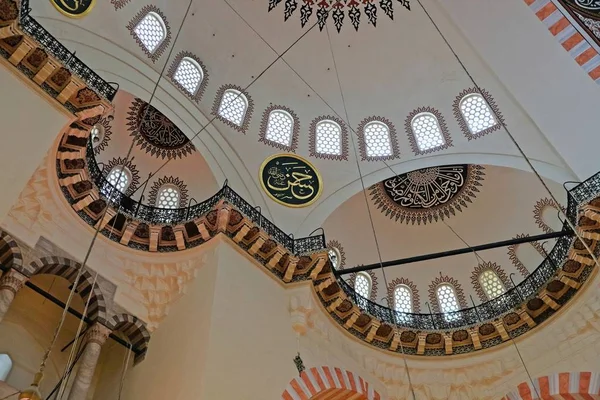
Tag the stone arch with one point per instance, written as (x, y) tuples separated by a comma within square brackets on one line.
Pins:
[(134, 330), (560, 384), (318, 379), (67, 269), (10, 252)]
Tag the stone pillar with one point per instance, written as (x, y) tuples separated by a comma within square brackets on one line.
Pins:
[(10, 283), (94, 339)]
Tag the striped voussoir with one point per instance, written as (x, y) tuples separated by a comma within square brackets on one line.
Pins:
[(68, 269), (134, 330), (568, 36), (563, 385), (319, 379), (10, 252)]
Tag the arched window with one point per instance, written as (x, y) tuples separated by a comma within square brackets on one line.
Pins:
[(377, 141), (189, 75), (5, 366), (334, 257), (477, 114), (363, 285), (491, 284), (328, 138), (97, 134), (280, 128), (233, 107), (446, 297), (168, 197), (151, 31), (119, 177), (427, 132), (403, 299)]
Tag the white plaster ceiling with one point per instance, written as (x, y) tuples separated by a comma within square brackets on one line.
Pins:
[(388, 71)]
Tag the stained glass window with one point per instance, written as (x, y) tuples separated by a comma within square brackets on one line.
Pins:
[(233, 106), (362, 284), (168, 197), (328, 138), (447, 298), (403, 299), (377, 140), (151, 31), (189, 75), (280, 127), (119, 177), (477, 113), (427, 132), (491, 284)]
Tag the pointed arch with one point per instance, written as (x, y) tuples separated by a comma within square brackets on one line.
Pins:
[(477, 113), (10, 252), (318, 379), (562, 384), (279, 128), (240, 107), (134, 330), (151, 21), (189, 74)]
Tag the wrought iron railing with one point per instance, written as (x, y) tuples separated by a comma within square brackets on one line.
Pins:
[(68, 59), (509, 301), (164, 216)]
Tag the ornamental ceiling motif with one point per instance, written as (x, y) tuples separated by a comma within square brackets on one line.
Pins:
[(338, 10), (157, 134), (429, 194)]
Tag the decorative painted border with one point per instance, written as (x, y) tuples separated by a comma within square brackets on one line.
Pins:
[(568, 36), (488, 266), (512, 254), (412, 138), (460, 201), (374, 283), (416, 299), (215, 110), (107, 128), (155, 55), (319, 379), (462, 123), (538, 211), (564, 384), (393, 139), (168, 180), (134, 329), (262, 135), (118, 4), (312, 139), (334, 244), (127, 163), (460, 294), (203, 83)]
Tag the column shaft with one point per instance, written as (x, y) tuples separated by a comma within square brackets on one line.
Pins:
[(10, 283)]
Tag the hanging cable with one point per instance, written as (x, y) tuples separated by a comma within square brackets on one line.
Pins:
[(364, 191), (125, 367)]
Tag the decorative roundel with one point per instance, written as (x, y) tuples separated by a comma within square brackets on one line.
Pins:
[(428, 194), (290, 180), (156, 133), (74, 8)]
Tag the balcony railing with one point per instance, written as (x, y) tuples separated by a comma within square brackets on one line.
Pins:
[(164, 216), (68, 59), (509, 301)]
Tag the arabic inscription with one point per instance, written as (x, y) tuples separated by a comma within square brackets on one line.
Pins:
[(290, 180), (74, 8)]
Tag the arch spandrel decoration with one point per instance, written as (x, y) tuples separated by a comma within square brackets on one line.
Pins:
[(316, 380)]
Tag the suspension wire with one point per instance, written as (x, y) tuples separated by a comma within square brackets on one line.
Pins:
[(364, 191), (97, 229), (125, 367), (519, 148)]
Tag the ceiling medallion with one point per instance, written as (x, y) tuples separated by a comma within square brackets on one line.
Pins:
[(428, 194), (74, 8), (290, 180), (155, 133), (338, 10)]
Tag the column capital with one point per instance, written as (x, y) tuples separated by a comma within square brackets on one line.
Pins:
[(98, 333), (13, 281)]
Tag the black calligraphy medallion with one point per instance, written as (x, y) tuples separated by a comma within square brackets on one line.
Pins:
[(74, 8), (428, 194), (290, 180)]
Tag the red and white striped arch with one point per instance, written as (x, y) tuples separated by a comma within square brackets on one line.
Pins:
[(564, 385), (319, 379)]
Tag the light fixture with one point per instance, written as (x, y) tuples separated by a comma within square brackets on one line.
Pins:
[(33, 391)]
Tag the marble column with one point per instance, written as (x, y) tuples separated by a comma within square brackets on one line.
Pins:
[(94, 339), (10, 283)]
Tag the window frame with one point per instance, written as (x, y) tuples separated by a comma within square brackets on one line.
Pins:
[(462, 122), (410, 295), (391, 135), (440, 304), (483, 286), (247, 114), (164, 187), (201, 88), (264, 127), (139, 17), (126, 173), (369, 281), (441, 123), (313, 139)]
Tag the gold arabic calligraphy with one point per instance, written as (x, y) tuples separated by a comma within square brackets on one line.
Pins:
[(291, 184), (68, 7)]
